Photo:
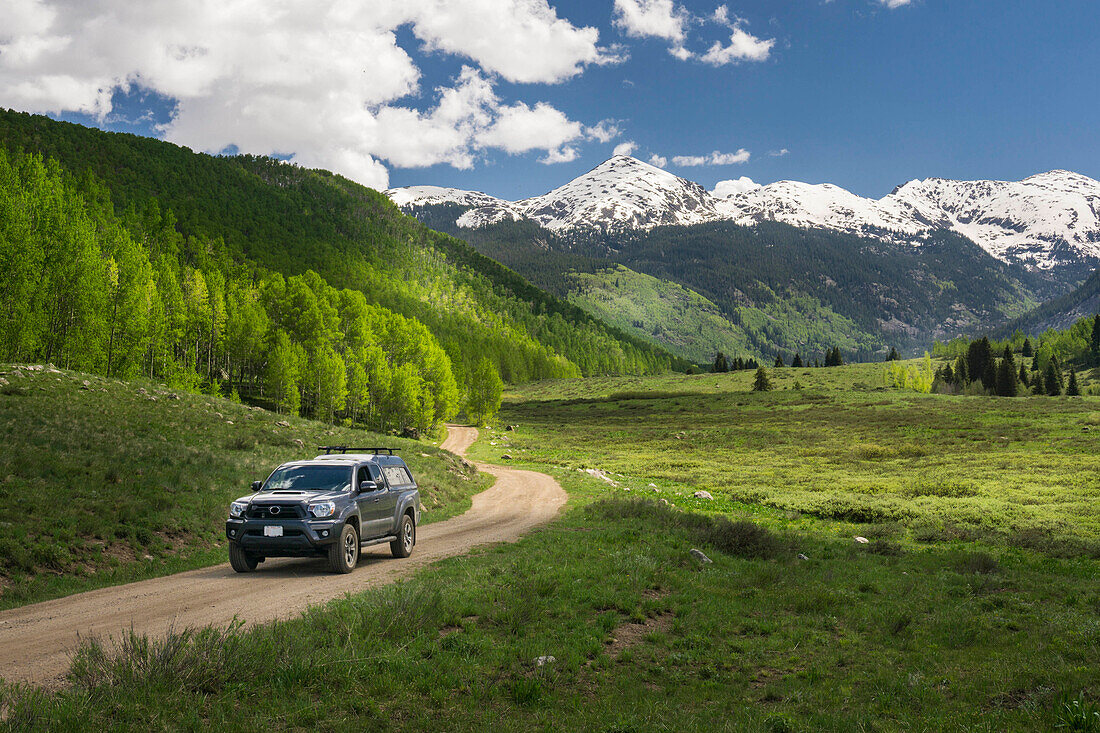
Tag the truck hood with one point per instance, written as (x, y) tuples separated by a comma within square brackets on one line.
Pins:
[(286, 497)]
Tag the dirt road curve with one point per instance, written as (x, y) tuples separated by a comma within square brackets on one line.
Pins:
[(36, 642)]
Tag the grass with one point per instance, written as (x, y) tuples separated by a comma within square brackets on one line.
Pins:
[(105, 482), (794, 626), (1023, 470)]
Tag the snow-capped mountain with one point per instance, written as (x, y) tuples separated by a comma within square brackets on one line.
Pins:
[(1044, 221)]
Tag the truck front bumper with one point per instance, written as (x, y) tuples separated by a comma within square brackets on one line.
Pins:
[(300, 537)]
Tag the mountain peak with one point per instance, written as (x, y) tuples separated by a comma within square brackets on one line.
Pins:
[(1044, 221)]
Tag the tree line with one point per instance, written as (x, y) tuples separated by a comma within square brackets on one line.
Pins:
[(129, 296), (1049, 368)]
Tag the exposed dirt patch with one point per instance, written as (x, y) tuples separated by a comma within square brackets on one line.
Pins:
[(628, 635)]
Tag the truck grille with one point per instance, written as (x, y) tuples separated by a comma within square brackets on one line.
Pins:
[(285, 511)]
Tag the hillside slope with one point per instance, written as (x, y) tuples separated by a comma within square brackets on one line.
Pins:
[(118, 480), (290, 220)]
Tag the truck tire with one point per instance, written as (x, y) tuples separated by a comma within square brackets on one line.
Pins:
[(241, 561), (344, 553), (406, 537)]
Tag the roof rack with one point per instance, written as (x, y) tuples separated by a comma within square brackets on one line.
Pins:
[(330, 449)]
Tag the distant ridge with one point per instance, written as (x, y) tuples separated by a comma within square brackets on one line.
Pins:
[(1043, 222)]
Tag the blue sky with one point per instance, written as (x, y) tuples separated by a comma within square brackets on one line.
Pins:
[(858, 93)]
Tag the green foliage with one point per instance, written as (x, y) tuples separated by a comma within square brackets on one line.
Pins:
[(486, 388), (761, 383), (917, 377), (236, 214)]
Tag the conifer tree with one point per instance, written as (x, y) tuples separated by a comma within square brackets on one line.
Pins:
[(1027, 350), (1094, 341), (1072, 390), (761, 383), (1024, 376), (720, 364), (797, 361), (1052, 380), (779, 360), (1006, 385), (894, 355), (961, 376)]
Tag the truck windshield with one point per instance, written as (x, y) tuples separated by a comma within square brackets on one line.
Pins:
[(310, 478)]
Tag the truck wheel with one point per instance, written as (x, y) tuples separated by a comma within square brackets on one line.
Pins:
[(406, 538), (344, 553), (241, 561)]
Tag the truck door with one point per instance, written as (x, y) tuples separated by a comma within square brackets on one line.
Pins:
[(369, 502)]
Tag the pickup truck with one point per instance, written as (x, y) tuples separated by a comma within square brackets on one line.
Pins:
[(329, 506)]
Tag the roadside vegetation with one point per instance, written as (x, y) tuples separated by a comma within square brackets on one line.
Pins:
[(968, 602), (105, 481)]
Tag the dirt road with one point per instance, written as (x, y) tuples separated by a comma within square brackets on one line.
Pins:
[(36, 642)]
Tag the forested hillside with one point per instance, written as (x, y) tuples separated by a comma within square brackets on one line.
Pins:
[(122, 255), (783, 289), (1060, 312)]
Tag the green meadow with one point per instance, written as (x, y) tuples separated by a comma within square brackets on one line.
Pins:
[(973, 605)]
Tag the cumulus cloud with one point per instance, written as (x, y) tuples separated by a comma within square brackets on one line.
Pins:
[(603, 131), (779, 153), (658, 160), (625, 148), (744, 184), (743, 46), (894, 3), (560, 155), (323, 81), (715, 158), (654, 19)]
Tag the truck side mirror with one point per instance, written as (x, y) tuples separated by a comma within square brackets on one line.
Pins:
[(368, 486), (256, 486)]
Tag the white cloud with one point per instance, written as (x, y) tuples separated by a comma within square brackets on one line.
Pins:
[(658, 160), (324, 81), (743, 46), (715, 158), (744, 184), (654, 19), (779, 153), (604, 131), (560, 155), (520, 128), (625, 148), (651, 19), (895, 3)]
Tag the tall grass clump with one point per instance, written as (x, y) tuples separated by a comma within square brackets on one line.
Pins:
[(738, 538)]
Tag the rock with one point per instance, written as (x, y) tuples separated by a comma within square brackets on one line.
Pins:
[(299, 442), (802, 557), (511, 428), (146, 557), (655, 490), (703, 495), (861, 540), (700, 556), (505, 456), (173, 396), (424, 455), (653, 486), (228, 422), (283, 424), (544, 660), (664, 501)]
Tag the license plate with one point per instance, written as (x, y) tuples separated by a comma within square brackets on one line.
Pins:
[(273, 530)]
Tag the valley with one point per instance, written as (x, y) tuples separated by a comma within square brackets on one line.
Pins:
[(970, 604)]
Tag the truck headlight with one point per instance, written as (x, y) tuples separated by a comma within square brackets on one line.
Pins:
[(238, 508), (323, 509)]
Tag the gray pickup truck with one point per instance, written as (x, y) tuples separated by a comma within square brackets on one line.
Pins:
[(330, 506)]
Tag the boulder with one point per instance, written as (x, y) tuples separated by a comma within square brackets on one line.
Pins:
[(283, 424), (861, 540), (703, 495), (700, 556), (506, 456), (544, 660)]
